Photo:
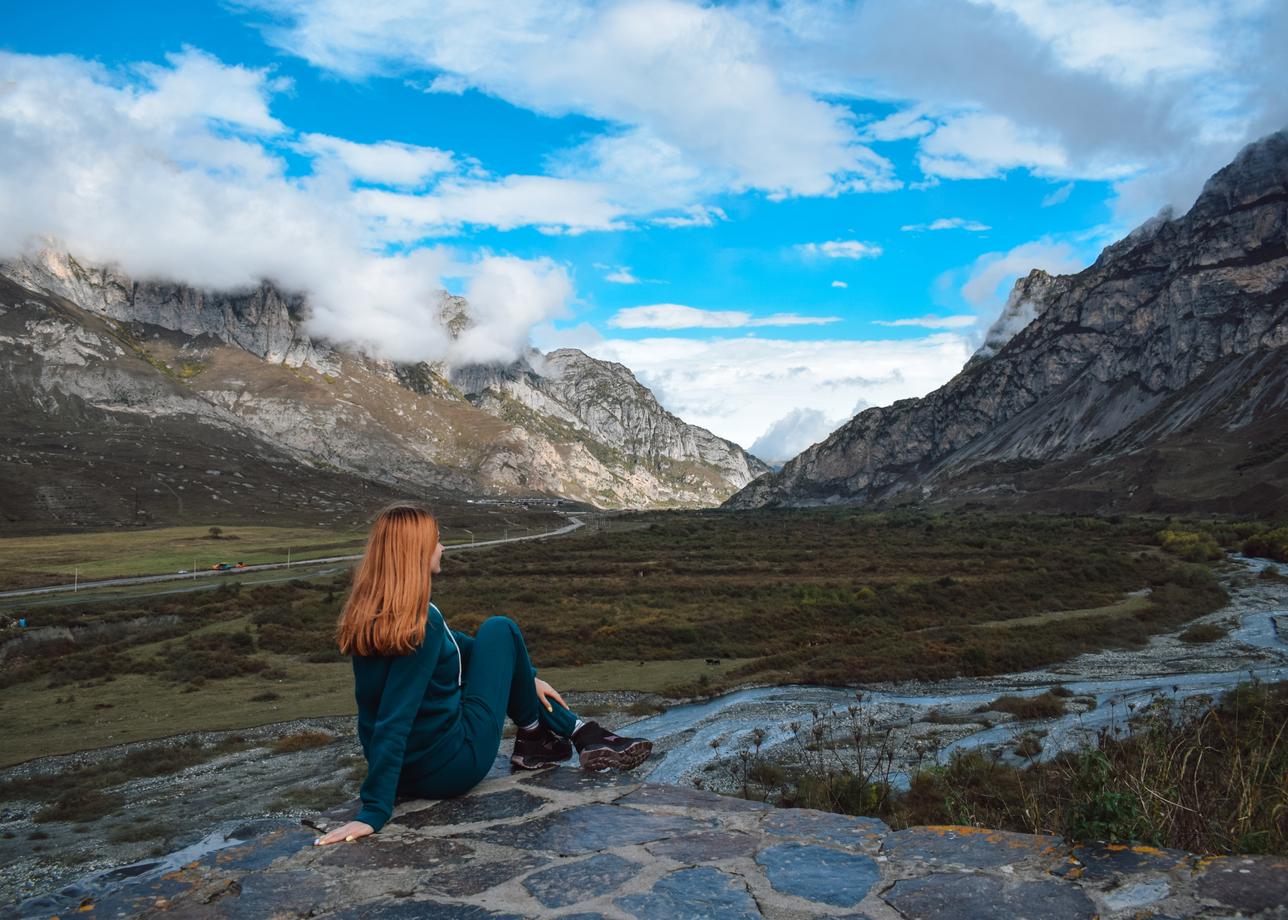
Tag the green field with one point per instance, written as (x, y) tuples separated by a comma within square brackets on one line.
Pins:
[(825, 595), (56, 559)]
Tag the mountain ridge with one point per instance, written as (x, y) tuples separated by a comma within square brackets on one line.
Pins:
[(242, 360), (1171, 339)]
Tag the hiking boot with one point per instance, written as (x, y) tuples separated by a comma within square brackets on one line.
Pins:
[(600, 749), (539, 748)]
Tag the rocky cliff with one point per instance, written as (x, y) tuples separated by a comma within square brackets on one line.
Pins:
[(603, 404), (239, 368), (1155, 380)]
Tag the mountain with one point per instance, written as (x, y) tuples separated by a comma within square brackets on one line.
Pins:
[(91, 357), (1156, 379)]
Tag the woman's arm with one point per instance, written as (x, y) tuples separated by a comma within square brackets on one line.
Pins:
[(404, 689), (465, 642)]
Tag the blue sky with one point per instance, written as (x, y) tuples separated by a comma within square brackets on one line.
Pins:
[(775, 214)]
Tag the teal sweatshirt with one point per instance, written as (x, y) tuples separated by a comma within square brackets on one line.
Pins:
[(409, 712)]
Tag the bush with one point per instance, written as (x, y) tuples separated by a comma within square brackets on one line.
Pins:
[(1192, 546), (1029, 746), (1270, 544), (1102, 808), (80, 805), (301, 741), (1046, 705), (1203, 632)]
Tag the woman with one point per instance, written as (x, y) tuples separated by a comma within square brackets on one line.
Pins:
[(432, 700)]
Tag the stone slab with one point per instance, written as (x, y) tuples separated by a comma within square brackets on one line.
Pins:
[(683, 797), (572, 883), (864, 834), (409, 909), (377, 852), (958, 896), (973, 847), (1111, 862), (586, 829), (818, 873), (700, 894), (475, 877), (570, 779), (1135, 895), (295, 892), (1247, 883), (705, 846), (468, 809)]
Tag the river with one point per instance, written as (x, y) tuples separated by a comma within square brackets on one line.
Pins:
[(927, 722)]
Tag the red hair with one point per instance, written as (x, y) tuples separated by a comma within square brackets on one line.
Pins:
[(386, 610)]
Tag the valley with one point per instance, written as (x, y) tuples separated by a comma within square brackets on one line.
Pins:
[(210, 695)]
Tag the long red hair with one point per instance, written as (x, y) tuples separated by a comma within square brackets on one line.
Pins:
[(385, 612)]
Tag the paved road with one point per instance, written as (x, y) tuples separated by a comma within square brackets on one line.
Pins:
[(573, 523)]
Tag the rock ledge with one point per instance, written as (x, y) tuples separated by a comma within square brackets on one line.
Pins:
[(566, 843)]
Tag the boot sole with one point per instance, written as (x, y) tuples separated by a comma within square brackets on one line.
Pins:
[(533, 763), (598, 759)]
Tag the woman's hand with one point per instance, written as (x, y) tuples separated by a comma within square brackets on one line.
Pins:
[(351, 831), (545, 690)]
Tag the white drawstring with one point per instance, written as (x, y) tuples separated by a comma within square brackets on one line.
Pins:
[(459, 681)]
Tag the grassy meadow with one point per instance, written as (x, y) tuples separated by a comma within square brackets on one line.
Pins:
[(53, 559), (639, 602)]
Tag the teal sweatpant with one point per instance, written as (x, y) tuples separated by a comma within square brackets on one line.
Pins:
[(496, 682)]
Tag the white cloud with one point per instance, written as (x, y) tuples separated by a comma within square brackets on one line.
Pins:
[(1089, 89), (696, 216), (731, 385), (932, 322), (679, 316), (1059, 196), (839, 284), (987, 275), (695, 78), (171, 172), (194, 87), (545, 202), (449, 84), (386, 162), (978, 145), (900, 125), (507, 297), (621, 275), (792, 433), (1147, 94), (1130, 44), (841, 249), (948, 223)]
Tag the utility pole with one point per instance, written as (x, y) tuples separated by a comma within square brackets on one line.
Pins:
[(288, 557), (76, 579)]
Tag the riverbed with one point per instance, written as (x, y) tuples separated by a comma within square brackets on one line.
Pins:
[(922, 723)]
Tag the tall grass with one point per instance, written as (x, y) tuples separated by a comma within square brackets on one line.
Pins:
[(1208, 780)]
